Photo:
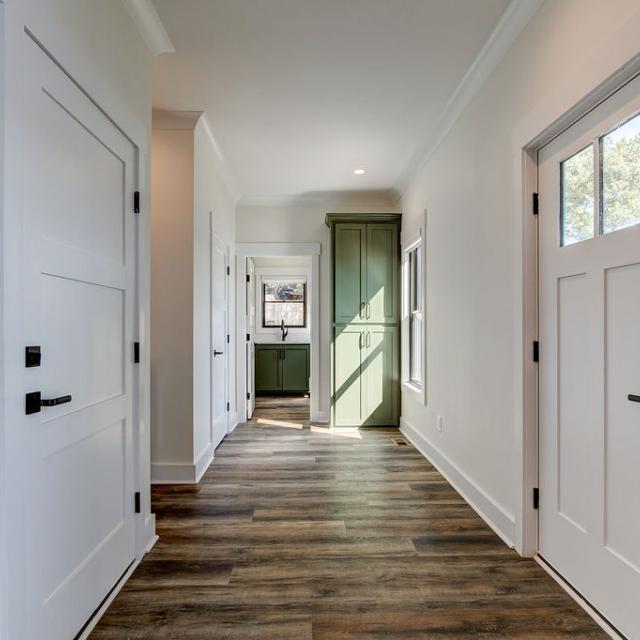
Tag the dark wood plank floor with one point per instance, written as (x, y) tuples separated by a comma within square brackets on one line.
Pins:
[(298, 533)]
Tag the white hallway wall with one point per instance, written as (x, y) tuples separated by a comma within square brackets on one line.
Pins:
[(99, 46), (470, 188), (302, 220), (189, 195)]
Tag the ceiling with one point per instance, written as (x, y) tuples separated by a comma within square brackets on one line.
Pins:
[(299, 93)]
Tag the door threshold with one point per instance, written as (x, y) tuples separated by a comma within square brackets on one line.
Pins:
[(597, 617)]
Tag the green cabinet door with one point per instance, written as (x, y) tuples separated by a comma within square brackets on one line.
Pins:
[(349, 273), (268, 368), (380, 376), (347, 382), (382, 273), (295, 368)]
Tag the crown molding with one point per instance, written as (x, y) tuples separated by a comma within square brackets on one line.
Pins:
[(376, 199), (148, 23), (513, 21)]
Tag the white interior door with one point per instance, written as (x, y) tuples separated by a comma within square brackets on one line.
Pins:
[(251, 329), (79, 264), (589, 180), (220, 346)]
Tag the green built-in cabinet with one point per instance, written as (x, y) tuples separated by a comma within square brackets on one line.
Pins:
[(282, 368), (366, 319)]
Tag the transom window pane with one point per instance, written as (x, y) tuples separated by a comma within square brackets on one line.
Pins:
[(283, 301), (621, 177), (578, 184)]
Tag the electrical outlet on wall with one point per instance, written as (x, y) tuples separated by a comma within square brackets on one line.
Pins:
[(439, 424)]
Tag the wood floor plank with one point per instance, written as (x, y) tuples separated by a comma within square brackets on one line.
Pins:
[(300, 533)]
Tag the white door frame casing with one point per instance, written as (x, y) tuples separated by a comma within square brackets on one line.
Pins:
[(279, 250)]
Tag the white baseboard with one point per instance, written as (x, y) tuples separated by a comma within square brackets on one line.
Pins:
[(233, 421), (502, 522), (320, 416), (593, 613), (203, 462), (182, 472)]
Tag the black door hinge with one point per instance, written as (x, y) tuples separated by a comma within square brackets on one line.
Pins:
[(248, 396), (248, 337), (228, 406), (536, 498), (535, 204), (136, 353), (248, 278), (228, 338), (228, 271), (136, 202), (536, 351), (136, 502)]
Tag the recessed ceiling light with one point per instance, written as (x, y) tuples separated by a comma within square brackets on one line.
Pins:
[(359, 172)]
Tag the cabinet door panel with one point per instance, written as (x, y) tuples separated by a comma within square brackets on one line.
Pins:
[(348, 388), (295, 368), (268, 368), (382, 273), (349, 277), (380, 376)]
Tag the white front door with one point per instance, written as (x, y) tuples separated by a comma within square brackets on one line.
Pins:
[(79, 276), (589, 235), (220, 346), (251, 329)]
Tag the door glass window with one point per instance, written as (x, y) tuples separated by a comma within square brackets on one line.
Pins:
[(578, 186), (620, 176)]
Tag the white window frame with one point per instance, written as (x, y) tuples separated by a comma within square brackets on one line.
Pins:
[(419, 392)]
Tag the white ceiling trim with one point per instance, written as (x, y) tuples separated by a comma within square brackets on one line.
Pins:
[(148, 22), (513, 21)]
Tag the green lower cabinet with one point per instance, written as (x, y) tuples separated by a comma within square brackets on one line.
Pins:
[(268, 368), (347, 401), (365, 376), (295, 368), (282, 368)]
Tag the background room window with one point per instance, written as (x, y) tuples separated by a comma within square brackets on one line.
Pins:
[(284, 300), (415, 316)]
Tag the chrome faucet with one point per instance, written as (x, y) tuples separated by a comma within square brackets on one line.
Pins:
[(285, 332)]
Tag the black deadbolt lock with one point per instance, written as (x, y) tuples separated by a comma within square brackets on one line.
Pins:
[(32, 356)]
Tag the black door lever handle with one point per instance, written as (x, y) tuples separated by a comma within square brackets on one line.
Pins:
[(52, 402), (217, 353), (633, 398), (34, 401)]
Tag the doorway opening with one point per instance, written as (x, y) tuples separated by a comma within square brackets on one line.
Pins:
[(278, 314), (278, 345)]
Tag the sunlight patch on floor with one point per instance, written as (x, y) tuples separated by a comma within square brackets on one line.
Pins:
[(344, 433), (278, 423)]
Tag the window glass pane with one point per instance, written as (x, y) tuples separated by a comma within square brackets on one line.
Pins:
[(291, 312), (621, 177), (578, 178), (415, 351), (283, 291)]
